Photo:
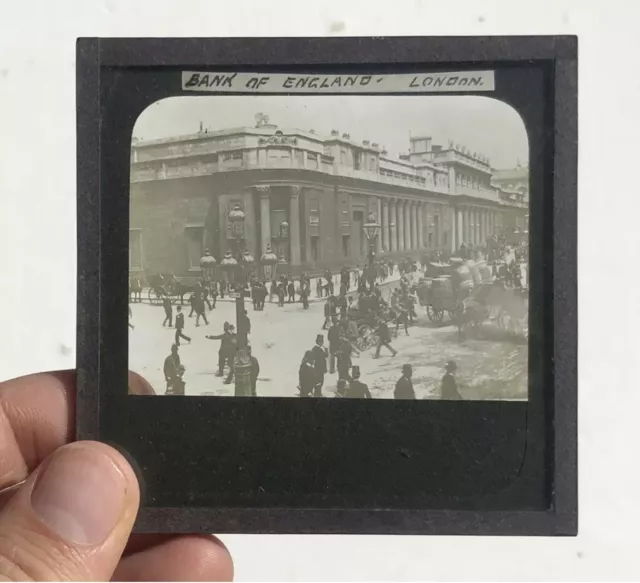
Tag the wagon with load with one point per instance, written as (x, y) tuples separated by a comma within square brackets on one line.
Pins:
[(445, 286)]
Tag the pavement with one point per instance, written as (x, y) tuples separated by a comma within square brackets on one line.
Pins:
[(493, 366)]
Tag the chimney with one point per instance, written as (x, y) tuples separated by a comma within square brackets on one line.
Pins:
[(374, 145), (346, 136), (365, 143), (335, 133)]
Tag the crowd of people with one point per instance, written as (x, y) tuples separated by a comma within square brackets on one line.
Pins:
[(358, 301)]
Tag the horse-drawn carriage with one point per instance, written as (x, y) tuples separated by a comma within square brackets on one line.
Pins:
[(504, 306), (446, 285), (166, 285)]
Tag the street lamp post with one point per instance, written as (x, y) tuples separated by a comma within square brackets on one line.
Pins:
[(242, 365), (207, 266), (372, 231), (269, 260)]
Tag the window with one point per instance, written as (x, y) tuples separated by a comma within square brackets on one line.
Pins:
[(345, 245), (237, 155), (315, 249), (343, 156), (135, 249), (194, 241), (314, 216)]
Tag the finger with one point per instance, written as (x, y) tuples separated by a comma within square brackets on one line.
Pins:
[(71, 519), (181, 558), (139, 386), (36, 417)]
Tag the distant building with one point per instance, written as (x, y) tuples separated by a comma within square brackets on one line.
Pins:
[(307, 196), (513, 185)]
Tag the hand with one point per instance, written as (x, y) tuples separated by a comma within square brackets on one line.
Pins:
[(67, 509)]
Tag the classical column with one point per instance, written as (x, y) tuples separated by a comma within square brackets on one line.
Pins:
[(400, 225), (459, 228), (407, 226), (414, 226), (469, 228), (420, 226), (294, 224), (393, 238), (385, 226), (379, 220), (265, 216)]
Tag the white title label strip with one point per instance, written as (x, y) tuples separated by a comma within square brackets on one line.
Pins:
[(286, 83)]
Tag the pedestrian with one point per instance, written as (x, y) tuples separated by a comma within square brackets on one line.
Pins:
[(341, 304), (198, 304), (352, 334), (449, 388), (333, 336), (131, 316), (341, 388), (225, 347), (304, 293), (404, 386), (214, 294), (319, 353), (173, 373), (291, 291), (180, 327), (245, 322), (384, 339), (255, 371), (328, 311), (307, 374), (319, 286), (357, 389), (281, 294), (343, 355), (168, 311), (192, 303)]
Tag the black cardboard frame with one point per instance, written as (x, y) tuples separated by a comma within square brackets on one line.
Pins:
[(560, 53)]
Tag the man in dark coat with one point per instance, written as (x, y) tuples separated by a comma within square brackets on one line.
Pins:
[(328, 312), (333, 336), (255, 371), (214, 294), (343, 356), (357, 389), (384, 339), (173, 371), (449, 390), (319, 364), (291, 292), (404, 386), (180, 327), (225, 343), (306, 375), (168, 310), (305, 290), (198, 304)]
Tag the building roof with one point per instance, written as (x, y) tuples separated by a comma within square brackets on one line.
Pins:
[(518, 173)]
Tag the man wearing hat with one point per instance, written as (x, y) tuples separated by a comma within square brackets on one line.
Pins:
[(356, 389), (449, 390), (319, 364), (404, 386), (173, 371)]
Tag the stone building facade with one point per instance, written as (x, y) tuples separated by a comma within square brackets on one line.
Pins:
[(307, 197)]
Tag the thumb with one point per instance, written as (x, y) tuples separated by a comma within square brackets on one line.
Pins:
[(71, 519)]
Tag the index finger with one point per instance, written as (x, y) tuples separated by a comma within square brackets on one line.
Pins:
[(37, 416)]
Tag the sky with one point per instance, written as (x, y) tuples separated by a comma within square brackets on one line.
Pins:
[(484, 125)]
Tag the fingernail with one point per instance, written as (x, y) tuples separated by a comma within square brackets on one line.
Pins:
[(80, 495)]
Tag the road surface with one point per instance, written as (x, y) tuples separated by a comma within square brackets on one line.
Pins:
[(492, 366)]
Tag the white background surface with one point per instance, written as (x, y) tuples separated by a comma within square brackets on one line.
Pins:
[(37, 250)]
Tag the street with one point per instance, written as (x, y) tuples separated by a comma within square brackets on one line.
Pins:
[(491, 366)]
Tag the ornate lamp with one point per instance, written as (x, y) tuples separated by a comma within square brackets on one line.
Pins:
[(207, 265), (371, 229), (269, 260), (237, 218), (228, 264), (284, 229)]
